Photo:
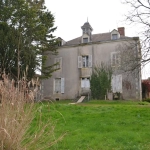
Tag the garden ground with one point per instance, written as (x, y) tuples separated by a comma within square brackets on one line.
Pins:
[(99, 125)]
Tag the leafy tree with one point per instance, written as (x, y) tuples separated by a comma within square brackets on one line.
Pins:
[(100, 81), (8, 42), (26, 27)]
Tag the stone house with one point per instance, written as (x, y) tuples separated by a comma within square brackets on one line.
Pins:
[(77, 58)]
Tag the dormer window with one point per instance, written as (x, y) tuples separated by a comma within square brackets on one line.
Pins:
[(114, 36), (85, 40), (86, 31)]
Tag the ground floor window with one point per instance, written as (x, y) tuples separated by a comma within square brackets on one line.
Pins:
[(59, 85), (85, 82)]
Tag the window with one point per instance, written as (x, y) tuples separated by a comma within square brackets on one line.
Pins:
[(114, 36), (59, 85), (59, 63), (85, 61), (85, 40), (115, 59), (85, 83)]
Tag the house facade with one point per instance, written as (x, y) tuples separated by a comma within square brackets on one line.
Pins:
[(76, 59)]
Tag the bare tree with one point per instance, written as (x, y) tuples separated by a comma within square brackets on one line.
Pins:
[(129, 55), (140, 15)]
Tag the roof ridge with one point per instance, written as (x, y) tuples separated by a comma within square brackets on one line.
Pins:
[(101, 33)]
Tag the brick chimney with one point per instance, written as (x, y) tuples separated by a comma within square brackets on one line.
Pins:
[(121, 30)]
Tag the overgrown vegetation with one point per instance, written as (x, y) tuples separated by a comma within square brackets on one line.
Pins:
[(100, 81), (23, 125)]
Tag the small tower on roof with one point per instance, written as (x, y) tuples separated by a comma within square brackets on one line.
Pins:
[(87, 29)]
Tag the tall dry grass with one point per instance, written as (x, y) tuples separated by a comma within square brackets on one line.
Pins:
[(17, 112)]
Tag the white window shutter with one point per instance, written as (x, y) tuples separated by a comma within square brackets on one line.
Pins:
[(60, 62), (119, 83), (82, 82), (62, 85), (55, 61), (113, 83), (88, 83), (90, 61), (79, 61), (116, 83)]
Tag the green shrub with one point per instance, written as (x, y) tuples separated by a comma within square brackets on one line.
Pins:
[(146, 100), (143, 103), (100, 81)]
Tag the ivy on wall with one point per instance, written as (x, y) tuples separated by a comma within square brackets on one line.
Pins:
[(100, 81)]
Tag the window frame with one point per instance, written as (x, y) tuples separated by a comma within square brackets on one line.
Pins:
[(88, 61), (85, 82), (115, 59), (115, 36), (61, 86), (85, 38), (59, 61)]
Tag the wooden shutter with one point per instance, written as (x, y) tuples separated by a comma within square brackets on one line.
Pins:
[(88, 83), (119, 83), (79, 61), (60, 62), (113, 85), (56, 61), (82, 83), (90, 61), (62, 85), (116, 83)]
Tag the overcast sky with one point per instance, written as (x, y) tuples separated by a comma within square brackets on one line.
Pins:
[(103, 15)]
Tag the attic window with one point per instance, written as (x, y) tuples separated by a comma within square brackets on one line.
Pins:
[(114, 36), (85, 40)]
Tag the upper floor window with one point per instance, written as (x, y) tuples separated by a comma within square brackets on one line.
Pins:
[(114, 36), (85, 61), (59, 63), (85, 40), (115, 59)]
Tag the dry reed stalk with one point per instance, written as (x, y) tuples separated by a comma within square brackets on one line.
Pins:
[(16, 116)]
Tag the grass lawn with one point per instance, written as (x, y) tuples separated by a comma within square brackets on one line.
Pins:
[(100, 125)]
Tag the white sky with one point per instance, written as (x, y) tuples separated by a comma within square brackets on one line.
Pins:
[(103, 15)]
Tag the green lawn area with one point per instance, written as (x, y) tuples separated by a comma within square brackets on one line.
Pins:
[(100, 125)]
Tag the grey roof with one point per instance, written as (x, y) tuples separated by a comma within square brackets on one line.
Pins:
[(87, 25), (95, 38)]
